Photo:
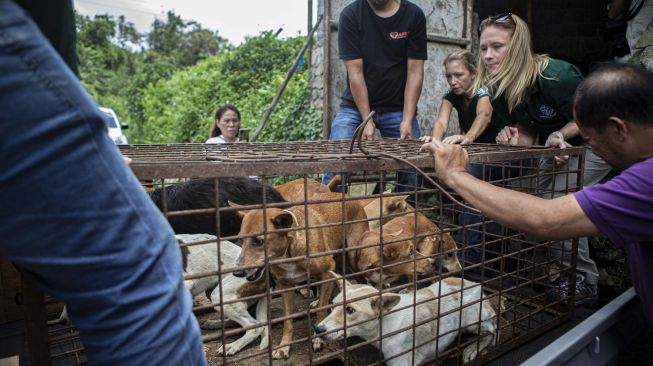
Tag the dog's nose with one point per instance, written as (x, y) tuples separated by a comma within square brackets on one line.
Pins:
[(319, 329), (240, 274)]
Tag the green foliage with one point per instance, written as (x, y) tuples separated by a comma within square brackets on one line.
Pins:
[(181, 108), (117, 64), (167, 83)]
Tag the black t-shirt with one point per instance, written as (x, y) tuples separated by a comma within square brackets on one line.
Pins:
[(549, 105), (384, 44), (467, 115)]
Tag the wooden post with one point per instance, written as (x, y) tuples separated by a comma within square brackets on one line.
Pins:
[(326, 74), (275, 100), (309, 26), (36, 328)]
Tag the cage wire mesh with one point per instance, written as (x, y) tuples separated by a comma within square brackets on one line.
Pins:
[(379, 265)]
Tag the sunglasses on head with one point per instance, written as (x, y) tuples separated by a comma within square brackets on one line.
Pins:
[(501, 18)]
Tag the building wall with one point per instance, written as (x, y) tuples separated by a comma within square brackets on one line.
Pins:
[(448, 25), (569, 30)]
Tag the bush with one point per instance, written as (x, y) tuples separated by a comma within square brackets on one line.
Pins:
[(180, 109)]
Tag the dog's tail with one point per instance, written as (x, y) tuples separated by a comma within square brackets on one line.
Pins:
[(334, 182)]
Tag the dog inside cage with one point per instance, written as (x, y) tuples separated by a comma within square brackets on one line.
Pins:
[(364, 268)]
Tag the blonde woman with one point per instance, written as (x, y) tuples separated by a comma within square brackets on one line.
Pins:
[(532, 95), (474, 108)]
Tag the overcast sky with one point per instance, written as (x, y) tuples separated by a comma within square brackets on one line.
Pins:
[(233, 19)]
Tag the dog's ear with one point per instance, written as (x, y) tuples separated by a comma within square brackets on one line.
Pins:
[(240, 213), (385, 302), (391, 252), (396, 203), (339, 281), (283, 220)]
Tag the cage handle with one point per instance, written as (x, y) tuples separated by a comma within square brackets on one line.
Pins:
[(357, 138)]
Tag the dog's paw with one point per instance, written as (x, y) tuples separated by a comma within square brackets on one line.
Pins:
[(470, 353), (317, 344), (313, 304), (281, 353), (307, 293)]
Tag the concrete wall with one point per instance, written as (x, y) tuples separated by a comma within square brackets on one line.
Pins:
[(448, 28)]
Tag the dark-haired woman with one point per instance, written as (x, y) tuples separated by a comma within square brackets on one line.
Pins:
[(226, 126)]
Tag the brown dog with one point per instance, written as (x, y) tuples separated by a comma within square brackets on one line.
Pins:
[(293, 191), (290, 239), (434, 245), (377, 207), (396, 257)]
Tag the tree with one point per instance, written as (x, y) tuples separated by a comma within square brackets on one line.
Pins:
[(180, 109)]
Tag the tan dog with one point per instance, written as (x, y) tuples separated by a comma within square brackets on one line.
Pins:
[(293, 191), (435, 245), (296, 243), (377, 207), (397, 258)]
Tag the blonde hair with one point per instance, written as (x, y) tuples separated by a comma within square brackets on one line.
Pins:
[(463, 56), (519, 68)]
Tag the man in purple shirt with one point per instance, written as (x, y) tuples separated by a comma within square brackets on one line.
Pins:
[(614, 111)]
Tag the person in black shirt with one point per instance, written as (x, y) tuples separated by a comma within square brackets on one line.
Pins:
[(383, 45), (474, 109)]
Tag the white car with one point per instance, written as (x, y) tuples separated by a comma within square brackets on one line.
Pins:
[(114, 127)]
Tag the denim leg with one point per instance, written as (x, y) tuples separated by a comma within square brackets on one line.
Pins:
[(74, 218), (343, 127), (595, 169), (389, 124), (470, 236)]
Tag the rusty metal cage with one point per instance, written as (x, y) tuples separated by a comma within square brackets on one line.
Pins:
[(508, 296)]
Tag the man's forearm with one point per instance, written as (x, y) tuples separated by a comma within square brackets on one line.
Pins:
[(359, 92), (413, 88), (543, 218)]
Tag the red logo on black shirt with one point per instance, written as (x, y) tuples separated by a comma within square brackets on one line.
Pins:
[(399, 35)]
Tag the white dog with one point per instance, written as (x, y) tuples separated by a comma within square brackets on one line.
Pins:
[(362, 319), (203, 258)]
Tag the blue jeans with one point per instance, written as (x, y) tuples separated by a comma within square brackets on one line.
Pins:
[(472, 236), (75, 220), (348, 119)]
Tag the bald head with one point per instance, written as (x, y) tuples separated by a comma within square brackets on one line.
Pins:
[(615, 90)]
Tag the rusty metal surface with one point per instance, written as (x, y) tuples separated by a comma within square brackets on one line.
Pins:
[(516, 271), (248, 159)]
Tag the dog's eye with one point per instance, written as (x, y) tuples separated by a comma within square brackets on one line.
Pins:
[(257, 242), (350, 310), (449, 255)]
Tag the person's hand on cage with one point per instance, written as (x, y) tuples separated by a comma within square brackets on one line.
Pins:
[(368, 132), (449, 159), (406, 130), (557, 139), (458, 139), (426, 139), (508, 136)]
